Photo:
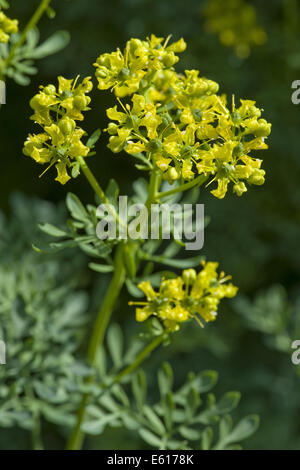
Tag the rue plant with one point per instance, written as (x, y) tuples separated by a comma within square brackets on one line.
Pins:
[(183, 135)]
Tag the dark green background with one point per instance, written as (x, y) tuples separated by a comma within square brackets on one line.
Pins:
[(255, 238)]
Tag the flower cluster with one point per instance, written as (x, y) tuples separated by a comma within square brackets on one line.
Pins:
[(56, 110), (189, 296), (186, 129), (7, 27), (132, 70), (235, 21), (178, 122)]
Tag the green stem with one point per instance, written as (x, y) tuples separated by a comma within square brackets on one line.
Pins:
[(31, 24), (107, 306), (140, 358), (36, 432), (92, 180), (77, 436), (183, 187), (154, 184), (99, 191)]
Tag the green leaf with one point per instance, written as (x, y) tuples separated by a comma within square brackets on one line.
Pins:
[(26, 68), (52, 230), (154, 421), (225, 427), (120, 395), (96, 421), (32, 38), (76, 207), (101, 268), (93, 139), (206, 438), (168, 405), (63, 244), (50, 12), (19, 78), (228, 402), (176, 263), (165, 379), (133, 290), (112, 190), (57, 415), (140, 187), (75, 170), (192, 402), (115, 344), (129, 421), (244, 429), (53, 44), (206, 380), (100, 251), (49, 393), (150, 438), (189, 433), (139, 388)]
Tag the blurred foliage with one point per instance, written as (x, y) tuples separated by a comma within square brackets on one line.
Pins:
[(44, 320), (255, 239)]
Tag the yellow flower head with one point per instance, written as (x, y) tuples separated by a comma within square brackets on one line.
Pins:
[(56, 110), (7, 27), (134, 68), (179, 122), (189, 296)]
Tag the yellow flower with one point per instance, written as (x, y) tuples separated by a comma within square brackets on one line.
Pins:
[(124, 71), (56, 111), (7, 27), (188, 296), (140, 115), (182, 125)]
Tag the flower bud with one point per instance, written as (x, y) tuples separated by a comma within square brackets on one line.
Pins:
[(67, 125), (240, 188), (169, 59), (264, 128), (166, 120), (154, 145), (238, 150), (49, 90), (172, 174), (189, 276), (236, 117), (35, 102), (125, 72), (257, 177), (197, 114), (112, 128), (80, 102)]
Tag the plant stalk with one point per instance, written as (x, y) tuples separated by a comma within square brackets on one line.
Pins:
[(77, 436), (31, 24), (183, 187)]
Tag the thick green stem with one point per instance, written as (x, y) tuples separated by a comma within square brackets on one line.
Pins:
[(107, 306), (92, 180), (154, 184), (77, 436), (31, 24), (183, 187), (36, 432), (99, 191)]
